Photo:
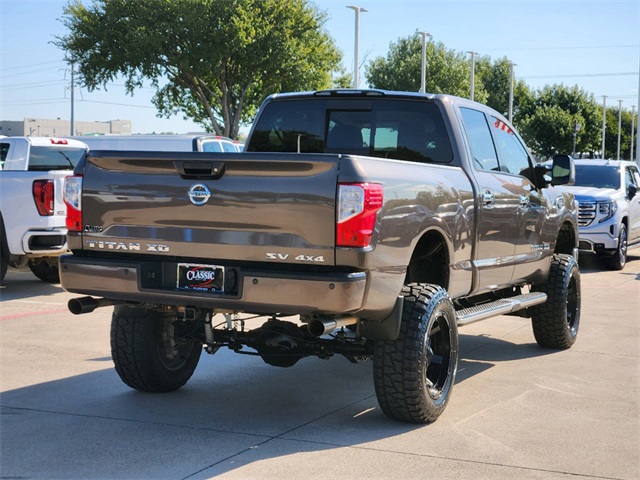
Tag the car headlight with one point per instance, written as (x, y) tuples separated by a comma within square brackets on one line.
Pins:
[(608, 209)]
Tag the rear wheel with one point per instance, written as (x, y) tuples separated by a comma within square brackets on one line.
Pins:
[(45, 268), (414, 375), (555, 322), (619, 258), (152, 352)]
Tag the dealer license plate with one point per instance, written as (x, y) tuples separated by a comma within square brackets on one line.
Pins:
[(200, 278)]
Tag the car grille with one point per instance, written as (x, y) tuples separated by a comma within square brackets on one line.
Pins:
[(586, 213)]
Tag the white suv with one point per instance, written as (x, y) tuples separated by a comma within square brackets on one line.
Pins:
[(609, 208)]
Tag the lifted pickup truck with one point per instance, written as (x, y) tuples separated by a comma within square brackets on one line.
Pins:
[(32, 216), (383, 219)]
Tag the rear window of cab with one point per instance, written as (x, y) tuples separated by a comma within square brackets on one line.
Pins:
[(397, 129)]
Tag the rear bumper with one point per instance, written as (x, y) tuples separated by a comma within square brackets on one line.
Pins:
[(253, 290), (44, 242)]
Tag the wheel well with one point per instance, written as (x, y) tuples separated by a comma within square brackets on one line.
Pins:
[(430, 261), (566, 240)]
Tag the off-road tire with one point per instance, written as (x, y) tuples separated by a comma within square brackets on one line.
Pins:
[(414, 375), (555, 322), (46, 269), (143, 353), (619, 259), (4, 252)]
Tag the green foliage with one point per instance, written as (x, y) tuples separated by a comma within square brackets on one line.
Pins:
[(447, 70), (547, 122), (213, 60)]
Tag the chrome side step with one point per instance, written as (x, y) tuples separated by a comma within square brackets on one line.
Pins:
[(499, 307)]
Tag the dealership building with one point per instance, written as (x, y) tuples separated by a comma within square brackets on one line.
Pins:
[(46, 127)]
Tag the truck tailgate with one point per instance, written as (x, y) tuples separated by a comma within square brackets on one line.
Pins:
[(212, 206)]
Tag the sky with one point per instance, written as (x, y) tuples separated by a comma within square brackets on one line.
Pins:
[(594, 44)]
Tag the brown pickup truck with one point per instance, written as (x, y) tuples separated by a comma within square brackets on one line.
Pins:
[(369, 224)]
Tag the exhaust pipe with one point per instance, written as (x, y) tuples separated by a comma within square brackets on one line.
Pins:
[(89, 304), (321, 326)]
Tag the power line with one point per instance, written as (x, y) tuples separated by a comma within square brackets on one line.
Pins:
[(33, 84), (560, 48), (120, 104), (584, 75), (31, 65)]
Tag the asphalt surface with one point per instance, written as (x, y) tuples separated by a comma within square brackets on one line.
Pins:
[(517, 411)]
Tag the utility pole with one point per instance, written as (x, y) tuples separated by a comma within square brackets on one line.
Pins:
[(633, 119), (356, 60), (73, 87), (604, 121), (423, 75), (511, 79), (619, 126), (473, 73)]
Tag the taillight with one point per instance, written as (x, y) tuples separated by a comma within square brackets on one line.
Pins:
[(43, 195), (358, 205), (73, 201)]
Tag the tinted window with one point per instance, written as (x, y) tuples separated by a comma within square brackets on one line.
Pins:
[(52, 158), (481, 143), (403, 130), (229, 147), (4, 151), (599, 176), (512, 155), (212, 146)]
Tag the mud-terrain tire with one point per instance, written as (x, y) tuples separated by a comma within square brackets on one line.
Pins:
[(414, 375), (46, 269), (146, 354), (555, 322), (4, 253), (619, 259)]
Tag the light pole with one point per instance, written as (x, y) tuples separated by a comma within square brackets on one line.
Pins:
[(473, 74), (633, 119), (576, 129), (511, 78), (619, 126), (356, 60), (604, 121), (73, 87), (423, 75)]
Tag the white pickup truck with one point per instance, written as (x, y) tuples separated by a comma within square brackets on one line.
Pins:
[(32, 212)]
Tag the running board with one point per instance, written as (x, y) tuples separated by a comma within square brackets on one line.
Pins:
[(499, 307)]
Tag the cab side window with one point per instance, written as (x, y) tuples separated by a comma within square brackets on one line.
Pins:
[(512, 155), (4, 151), (480, 140)]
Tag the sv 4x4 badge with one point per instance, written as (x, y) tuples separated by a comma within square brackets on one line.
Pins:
[(299, 258)]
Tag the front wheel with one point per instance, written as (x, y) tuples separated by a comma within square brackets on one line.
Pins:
[(46, 269), (152, 352), (619, 259), (555, 322), (414, 375)]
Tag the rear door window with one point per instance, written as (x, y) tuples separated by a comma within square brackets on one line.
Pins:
[(480, 140)]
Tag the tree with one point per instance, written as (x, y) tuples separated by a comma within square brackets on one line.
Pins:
[(495, 76), (219, 58), (549, 120), (447, 71)]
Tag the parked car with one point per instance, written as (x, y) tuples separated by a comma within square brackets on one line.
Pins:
[(609, 209), (32, 212), (160, 143)]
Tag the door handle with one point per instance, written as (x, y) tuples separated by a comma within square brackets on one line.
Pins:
[(524, 201), (488, 198)]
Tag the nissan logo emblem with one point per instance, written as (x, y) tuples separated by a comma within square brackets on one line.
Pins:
[(199, 194)]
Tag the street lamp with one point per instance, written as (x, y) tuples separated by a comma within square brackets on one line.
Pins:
[(473, 73), (619, 126), (511, 79), (356, 60), (633, 119), (423, 75), (604, 121)]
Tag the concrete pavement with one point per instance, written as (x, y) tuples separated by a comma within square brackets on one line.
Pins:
[(517, 411)]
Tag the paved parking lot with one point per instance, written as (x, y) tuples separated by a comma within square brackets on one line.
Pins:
[(517, 411)]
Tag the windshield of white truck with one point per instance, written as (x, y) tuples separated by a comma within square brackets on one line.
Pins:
[(597, 176), (395, 129)]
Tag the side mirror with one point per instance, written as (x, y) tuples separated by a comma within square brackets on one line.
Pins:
[(563, 170), (632, 190)]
